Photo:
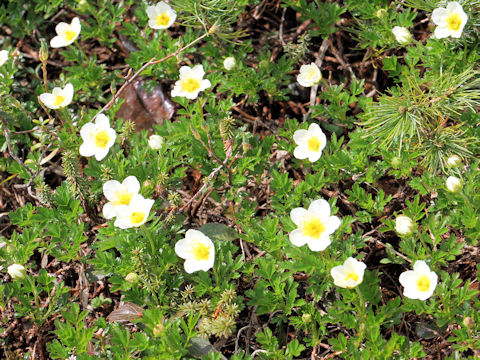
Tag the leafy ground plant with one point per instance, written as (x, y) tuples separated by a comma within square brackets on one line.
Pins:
[(239, 179)]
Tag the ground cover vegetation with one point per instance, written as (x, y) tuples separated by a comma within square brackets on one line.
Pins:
[(239, 179)]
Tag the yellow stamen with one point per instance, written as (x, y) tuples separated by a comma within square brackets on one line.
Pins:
[(352, 275), (423, 283), (201, 252), (190, 85), (453, 22), (59, 99), (102, 139), (137, 217), (313, 143), (313, 227), (162, 19), (69, 35), (123, 198)]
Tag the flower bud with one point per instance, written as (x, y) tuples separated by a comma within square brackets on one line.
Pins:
[(468, 322), (453, 161), (229, 63), (17, 271), (306, 318), (158, 330), (396, 162), (402, 35), (404, 225), (381, 13), (131, 277), (43, 53), (454, 184), (155, 142)]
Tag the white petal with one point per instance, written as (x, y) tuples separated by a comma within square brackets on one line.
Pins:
[(86, 130), (75, 24), (61, 28), (205, 84), (421, 267), (441, 32), (109, 211), (182, 249), (112, 135), (102, 121), (300, 136), (297, 215), (109, 189), (297, 238), (58, 42), (101, 153), (198, 72), (68, 93), (192, 266), (333, 224), (314, 155), (46, 99), (453, 6), (319, 244), (321, 208), (438, 15), (185, 71), (86, 149), (132, 184), (300, 153), (408, 279)]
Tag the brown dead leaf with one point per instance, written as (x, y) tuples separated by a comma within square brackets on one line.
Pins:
[(145, 108)]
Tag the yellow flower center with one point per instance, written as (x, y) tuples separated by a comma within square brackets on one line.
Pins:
[(101, 139), (313, 143), (352, 275), (190, 85), (201, 252), (423, 283), (311, 74), (137, 217), (162, 19), (313, 227), (123, 198), (453, 22), (59, 99), (69, 35)]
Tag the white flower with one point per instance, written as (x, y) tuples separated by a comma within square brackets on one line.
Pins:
[(229, 63), (134, 214), (309, 75), (420, 282), (17, 271), (454, 161), (198, 251), (66, 33), (454, 184), (402, 35), (310, 143), (119, 194), (58, 98), (191, 82), (72, 357), (97, 137), (3, 57), (314, 225), (155, 142), (404, 225), (161, 16), (350, 274), (450, 21)]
